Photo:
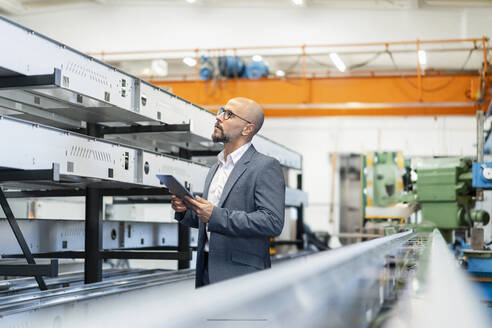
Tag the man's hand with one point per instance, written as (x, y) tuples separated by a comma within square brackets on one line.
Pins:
[(202, 207), (178, 205)]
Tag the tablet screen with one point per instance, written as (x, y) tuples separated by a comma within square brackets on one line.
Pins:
[(175, 187)]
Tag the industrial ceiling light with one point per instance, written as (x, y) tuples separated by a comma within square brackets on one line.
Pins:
[(189, 61), (257, 58), (280, 73), (422, 57), (159, 67), (298, 2), (337, 61)]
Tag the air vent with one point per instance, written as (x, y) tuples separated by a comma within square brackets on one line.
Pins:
[(65, 82), (70, 167), (83, 152), (85, 72)]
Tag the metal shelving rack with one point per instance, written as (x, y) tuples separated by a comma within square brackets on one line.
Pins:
[(79, 127)]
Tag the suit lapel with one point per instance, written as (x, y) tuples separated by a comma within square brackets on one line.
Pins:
[(238, 170)]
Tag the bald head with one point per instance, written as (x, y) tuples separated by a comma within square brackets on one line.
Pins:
[(250, 110)]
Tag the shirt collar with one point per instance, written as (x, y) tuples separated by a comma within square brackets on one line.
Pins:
[(235, 156)]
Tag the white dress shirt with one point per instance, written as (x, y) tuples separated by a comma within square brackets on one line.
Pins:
[(221, 176)]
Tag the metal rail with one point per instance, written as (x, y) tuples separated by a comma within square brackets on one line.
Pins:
[(10, 305), (440, 294), (28, 285), (347, 287), (304, 51), (331, 287)]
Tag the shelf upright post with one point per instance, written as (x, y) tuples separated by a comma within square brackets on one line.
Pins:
[(20, 237), (93, 228), (183, 231), (300, 218)]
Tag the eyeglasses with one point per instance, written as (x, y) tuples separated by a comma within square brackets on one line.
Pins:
[(228, 114)]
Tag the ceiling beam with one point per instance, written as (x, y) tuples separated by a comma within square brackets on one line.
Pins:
[(12, 7), (340, 96)]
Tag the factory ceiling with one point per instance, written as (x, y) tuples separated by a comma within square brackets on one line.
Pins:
[(21, 7)]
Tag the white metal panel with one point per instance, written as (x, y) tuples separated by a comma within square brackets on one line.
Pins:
[(33, 146), (80, 72), (202, 122), (188, 173), (107, 91), (295, 197), (285, 156), (156, 103), (141, 212), (62, 235), (162, 106)]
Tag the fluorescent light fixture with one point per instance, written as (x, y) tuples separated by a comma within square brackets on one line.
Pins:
[(298, 2), (159, 67), (257, 58), (280, 73), (337, 61), (189, 61), (191, 1), (422, 57)]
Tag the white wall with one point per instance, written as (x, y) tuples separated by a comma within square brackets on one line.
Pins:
[(130, 27), (316, 138)]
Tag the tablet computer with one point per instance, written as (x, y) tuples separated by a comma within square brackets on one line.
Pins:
[(175, 187)]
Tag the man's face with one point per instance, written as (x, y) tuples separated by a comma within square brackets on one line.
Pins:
[(231, 129)]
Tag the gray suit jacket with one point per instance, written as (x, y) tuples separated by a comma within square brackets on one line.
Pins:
[(250, 211)]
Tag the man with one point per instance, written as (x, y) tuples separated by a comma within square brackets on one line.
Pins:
[(243, 200)]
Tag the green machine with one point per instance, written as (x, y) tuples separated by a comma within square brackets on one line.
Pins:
[(444, 191), (386, 177), (382, 185), (440, 186)]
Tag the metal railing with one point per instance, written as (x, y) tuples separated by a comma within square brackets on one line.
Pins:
[(305, 52)]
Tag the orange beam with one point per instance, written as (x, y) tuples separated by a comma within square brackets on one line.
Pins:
[(366, 96), (382, 111)]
